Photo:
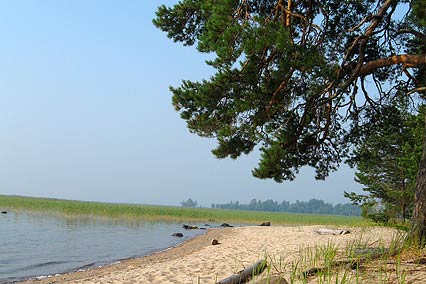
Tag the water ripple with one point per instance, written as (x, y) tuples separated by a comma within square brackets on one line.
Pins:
[(35, 245)]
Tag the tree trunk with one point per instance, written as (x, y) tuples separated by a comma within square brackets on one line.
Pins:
[(404, 202), (418, 231)]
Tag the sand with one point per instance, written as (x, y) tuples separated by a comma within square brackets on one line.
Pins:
[(197, 261)]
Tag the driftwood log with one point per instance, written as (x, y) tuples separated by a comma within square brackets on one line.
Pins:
[(246, 274), (324, 231)]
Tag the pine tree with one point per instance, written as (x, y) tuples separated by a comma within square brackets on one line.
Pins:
[(294, 77), (387, 162)]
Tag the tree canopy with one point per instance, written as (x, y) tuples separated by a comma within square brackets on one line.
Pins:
[(295, 77), (313, 206), (189, 203), (387, 162)]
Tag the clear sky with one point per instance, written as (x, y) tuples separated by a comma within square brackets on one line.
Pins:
[(85, 112)]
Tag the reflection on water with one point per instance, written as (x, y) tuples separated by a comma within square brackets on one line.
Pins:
[(33, 245)]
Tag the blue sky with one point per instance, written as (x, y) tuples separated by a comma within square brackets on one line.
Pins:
[(85, 112)]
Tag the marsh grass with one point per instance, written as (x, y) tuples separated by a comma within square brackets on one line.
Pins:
[(71, 208)]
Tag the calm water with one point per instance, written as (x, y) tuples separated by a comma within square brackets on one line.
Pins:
[(35, 245)]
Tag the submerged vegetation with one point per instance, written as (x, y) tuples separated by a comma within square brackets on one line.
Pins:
[(166, 213)]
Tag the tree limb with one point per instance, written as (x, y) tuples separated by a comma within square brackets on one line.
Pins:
[(377, 19), (420, 89), (409, 60), (279, 89), (413, 32)]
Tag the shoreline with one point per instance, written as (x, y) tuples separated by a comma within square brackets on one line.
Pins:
[(98, 265), (198, 261), (179, 250)]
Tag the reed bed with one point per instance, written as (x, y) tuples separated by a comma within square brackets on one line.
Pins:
[(72, 208)]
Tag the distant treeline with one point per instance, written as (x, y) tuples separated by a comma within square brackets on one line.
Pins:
[(313, 206)]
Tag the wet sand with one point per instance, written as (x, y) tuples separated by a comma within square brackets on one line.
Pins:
[(198, 261)]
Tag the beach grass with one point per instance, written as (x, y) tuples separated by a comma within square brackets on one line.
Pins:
[(357, 261), (72, 208)]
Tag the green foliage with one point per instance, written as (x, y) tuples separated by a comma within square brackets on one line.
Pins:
[(189, 203), (419, 13), (313, 206), (291, 76), (387, 162), (72, 208), (297, 80)]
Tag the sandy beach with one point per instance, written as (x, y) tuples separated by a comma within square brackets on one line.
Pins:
[(198, 261)]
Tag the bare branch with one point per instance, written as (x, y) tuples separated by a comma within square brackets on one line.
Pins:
[(377, 19), (363, 21), (420, 89), (413, 32)]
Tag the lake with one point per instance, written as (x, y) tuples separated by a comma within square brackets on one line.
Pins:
[(33, 245)]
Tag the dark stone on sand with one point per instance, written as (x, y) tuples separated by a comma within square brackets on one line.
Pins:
[(207, 225), (3, 212), (215, 242), (226, 225), (265, 224), (179, 235)]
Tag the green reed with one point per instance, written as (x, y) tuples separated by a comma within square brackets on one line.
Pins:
[(71, 208)]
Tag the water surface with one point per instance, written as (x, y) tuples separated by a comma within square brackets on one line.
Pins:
[(32, 245)]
